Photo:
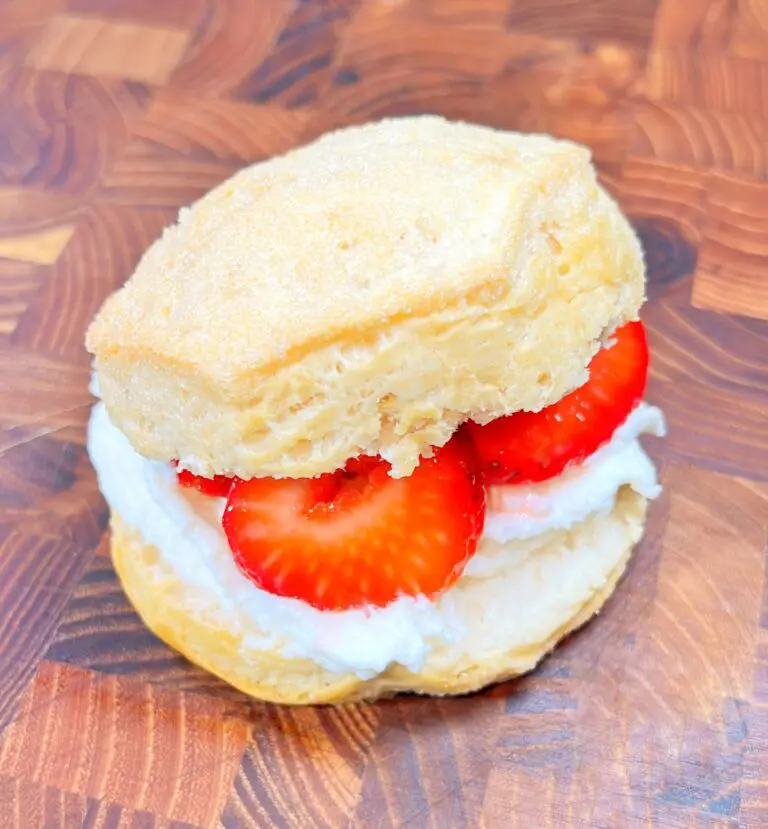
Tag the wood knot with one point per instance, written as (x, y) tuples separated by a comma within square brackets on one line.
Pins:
[(669, 256)]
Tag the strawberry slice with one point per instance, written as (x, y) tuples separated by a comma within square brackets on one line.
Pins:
[(535, 446), (218, 486), (357, 536)]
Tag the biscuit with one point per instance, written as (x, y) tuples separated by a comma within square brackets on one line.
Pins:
[(365, 295), (575, 571)]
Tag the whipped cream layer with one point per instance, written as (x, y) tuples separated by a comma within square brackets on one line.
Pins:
[(185, 527)]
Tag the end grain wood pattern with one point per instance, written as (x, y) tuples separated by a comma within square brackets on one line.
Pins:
[(113, 114)]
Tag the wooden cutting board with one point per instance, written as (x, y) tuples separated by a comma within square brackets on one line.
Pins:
[(113, 113)]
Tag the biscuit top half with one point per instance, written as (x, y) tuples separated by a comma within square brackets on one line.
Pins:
[(366, 294)]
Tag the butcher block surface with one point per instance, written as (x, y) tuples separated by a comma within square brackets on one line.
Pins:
[(113, 114)]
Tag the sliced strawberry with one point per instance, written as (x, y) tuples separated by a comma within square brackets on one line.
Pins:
[(534, 446), (357, 536), (218, 486)]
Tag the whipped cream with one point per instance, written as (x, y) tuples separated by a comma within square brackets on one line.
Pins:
[(516, 511), (185, 527)]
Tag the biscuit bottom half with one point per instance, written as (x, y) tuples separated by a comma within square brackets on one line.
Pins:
[(595, 552)]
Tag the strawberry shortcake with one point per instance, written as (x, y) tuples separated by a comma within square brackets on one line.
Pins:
[(370, 413)]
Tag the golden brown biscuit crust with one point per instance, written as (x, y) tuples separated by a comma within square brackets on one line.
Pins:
[(170, 610), (366, 294)]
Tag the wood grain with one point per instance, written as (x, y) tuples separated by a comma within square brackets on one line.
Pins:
[(598, 19), (107, 243), (572, 88), (655, 189), (733, 250), (231, 40), (113, 114), (697, 137), (319, 756), (91, 46), (18, 281), (710, 81), (164, 13), (188, 127), (111, 736), (300, 64), (59, 131)]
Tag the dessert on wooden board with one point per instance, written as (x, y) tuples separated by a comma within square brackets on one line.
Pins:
[(370, 413)]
